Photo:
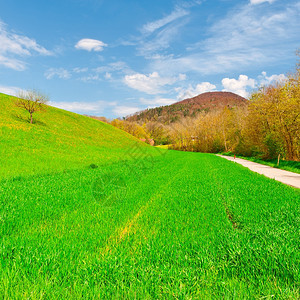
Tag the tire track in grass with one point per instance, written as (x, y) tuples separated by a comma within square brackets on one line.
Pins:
[(120, 235), (230, 216)]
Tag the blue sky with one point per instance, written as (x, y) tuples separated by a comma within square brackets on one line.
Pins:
[(113, 58)]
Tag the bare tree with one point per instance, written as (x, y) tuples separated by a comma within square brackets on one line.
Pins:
[(32, 101)]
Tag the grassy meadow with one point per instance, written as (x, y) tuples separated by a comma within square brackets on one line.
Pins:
[(142, 223)]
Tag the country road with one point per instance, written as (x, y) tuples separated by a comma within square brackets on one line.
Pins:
[(286, 177)]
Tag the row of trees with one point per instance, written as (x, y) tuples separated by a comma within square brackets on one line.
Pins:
[(273, 121), (150, 130), (267, 127)]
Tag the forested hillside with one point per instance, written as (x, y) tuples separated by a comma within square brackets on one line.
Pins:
[(191, 107)]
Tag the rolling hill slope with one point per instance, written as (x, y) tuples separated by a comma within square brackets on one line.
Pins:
[(59, 140)]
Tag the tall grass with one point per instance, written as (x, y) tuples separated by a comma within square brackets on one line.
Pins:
[(190, 225)]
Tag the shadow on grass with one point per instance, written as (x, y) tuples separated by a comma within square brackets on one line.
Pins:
[(24, 119)]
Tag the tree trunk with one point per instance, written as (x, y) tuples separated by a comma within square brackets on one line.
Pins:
[(30, 118)]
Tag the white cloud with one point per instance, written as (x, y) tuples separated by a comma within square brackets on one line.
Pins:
[(91, 77), (12, 63), (93, 107), (80, 70), (247, 35), (153, 26), (159, 34), (123, 111), (190, 92), (238, 86), (265, 80), (254, 2), (14, 45), (157, 101), (118, 66), (90, 45), (182, 77), (60, 73), (161, 39), (151, 84), (10, 90), (80, 107)]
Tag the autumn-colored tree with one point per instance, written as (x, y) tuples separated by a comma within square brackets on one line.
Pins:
[(157, 132), (209, 132), (274, 119), (131, 127), (117, 123)]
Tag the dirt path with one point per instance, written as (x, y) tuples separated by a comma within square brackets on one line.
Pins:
[(283, 176)]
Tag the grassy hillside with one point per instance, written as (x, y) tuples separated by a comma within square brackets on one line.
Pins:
[(59, 140)]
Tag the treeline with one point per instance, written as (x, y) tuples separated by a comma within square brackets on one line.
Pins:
[(147, 131), (268, 126)]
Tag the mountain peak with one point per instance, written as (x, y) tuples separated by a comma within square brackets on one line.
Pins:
[(190, 107)]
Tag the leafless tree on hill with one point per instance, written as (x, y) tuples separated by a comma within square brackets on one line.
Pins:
[(32, 101)]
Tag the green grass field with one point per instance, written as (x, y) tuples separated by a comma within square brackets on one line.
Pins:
[(145, 224)]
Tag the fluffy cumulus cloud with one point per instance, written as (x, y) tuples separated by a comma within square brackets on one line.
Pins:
[(151, 84), (254, 2), (265, 80), (239, 86), (90, 45), (14, 46), (60, 73), (191, 91)]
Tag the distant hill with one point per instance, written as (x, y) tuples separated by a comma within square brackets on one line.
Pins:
[(189, 107), (58, 141)]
